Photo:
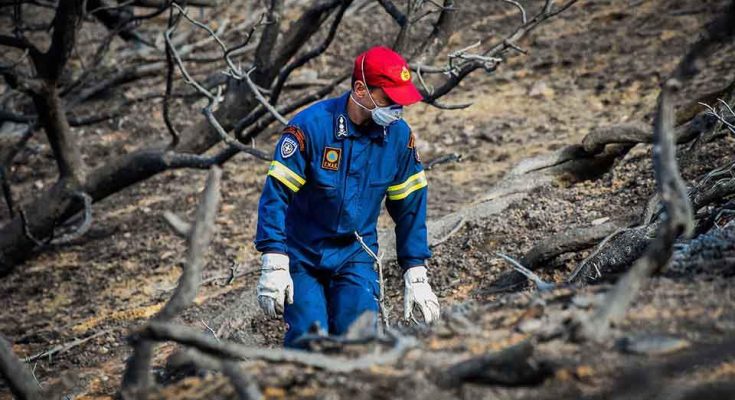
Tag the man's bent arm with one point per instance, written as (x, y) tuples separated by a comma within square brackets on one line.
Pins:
[(406, 204), (286, 176)]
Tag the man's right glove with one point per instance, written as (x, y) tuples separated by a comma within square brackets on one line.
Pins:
[(418, 293), (275, 285)]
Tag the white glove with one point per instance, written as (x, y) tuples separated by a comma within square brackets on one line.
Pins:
[(418, 293), (275, 284)]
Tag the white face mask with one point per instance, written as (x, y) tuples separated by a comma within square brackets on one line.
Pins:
[(383, 116)]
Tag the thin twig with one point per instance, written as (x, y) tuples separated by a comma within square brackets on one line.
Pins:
[(177, 224), (65, 347), (83, 227), (540, 283), (520, 7), (214, 334)]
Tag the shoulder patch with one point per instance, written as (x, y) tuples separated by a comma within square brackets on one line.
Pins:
[(298, 134), (411, 141), (288, 147)]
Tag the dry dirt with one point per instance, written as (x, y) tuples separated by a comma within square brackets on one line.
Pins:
[(597, 64)]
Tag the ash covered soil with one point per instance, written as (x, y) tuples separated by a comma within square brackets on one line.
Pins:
[(599, 63)]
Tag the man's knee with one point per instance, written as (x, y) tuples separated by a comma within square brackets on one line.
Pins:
[(353, 293)]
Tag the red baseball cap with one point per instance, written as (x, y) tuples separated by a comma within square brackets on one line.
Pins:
[(386, 69)]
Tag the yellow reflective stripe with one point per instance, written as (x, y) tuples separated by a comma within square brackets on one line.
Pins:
[(284, 175), (412, 184), (419, 175)]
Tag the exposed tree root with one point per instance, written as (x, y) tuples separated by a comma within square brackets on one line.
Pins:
[(552, 247), (511, 366)]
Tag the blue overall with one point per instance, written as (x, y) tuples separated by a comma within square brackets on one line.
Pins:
[(327, 181)]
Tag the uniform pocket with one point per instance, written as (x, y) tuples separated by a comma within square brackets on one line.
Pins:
[(325, 182)]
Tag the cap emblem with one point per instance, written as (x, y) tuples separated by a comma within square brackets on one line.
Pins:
[(405, 75)]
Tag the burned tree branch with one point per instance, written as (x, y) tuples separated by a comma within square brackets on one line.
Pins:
[(214, 98), (209, 115), (162, 3), (511, 366), (447, 158), (444, 27), (272, 22), (552, 247), (166, 331), (260, 118), (177, 224), (394, 12), (460, 71), (727, 120), (169, 84), (137, 372), (309, 55), (16, 374), (83, 226)]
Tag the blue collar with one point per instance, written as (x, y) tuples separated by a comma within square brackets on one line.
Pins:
[(344, 127)]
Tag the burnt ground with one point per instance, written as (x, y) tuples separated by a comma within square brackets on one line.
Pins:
[(599, 63)]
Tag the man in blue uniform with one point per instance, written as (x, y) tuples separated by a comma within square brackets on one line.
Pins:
[(333, 166)]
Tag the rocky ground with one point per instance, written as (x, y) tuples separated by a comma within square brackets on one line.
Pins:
[(599, 63)]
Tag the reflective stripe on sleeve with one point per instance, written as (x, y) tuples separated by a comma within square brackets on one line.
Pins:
[(283, 174), (412, 184)]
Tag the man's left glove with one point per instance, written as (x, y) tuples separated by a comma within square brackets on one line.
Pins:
[(418, 293), (275, 285)]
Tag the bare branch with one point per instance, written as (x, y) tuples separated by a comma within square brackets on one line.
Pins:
[(64, 143), (255, 124), (453, 157), (83, 227), (16, 42), (511, 366), (21, 381), (214, 99), (244, 383), (394, 12), (439, 36), (65, 346), (299, 32), (209, 115), (520, 7), (68, 17), (178, 225), (166, 331), (264, 51), (169, 85), (162, 3), (540, 283), (487, 59), (7, 154), (727, 121), (309, 55), (262, 99), (187, 78), (137, 374)]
